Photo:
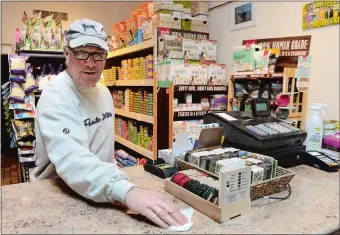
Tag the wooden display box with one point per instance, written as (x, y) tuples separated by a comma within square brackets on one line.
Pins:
[(214, 212)]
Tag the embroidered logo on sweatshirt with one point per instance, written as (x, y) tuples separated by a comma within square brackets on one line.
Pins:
[(66, 131), (89, 122)]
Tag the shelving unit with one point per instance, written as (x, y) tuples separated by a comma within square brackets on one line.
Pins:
[(297, 99), (136, 148), (175, 90), (131, 49), (141, 82), (115, 58), (136, 116)]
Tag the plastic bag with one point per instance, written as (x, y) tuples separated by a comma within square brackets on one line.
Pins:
[(17, 94), (37, 28), (47, 36), (17, 64), (30, 84), (23, 114), (28, 105)]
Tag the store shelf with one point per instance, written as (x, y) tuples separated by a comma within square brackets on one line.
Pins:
[(247, 75), (192, 114), (133, 115), (141, 82), (199, 88), (44, 54), (134, 147), (131, 49)]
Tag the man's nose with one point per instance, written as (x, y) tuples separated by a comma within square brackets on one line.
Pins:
[(90, 62)]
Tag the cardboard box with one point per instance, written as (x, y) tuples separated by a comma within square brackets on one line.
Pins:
[(176, 72), (199, 8), (217, 74), (164, 7), (166, 21), (198, 74), (200, 24), (187, 7), (208, 50), (191, 49), (243, 58), (170, 47)]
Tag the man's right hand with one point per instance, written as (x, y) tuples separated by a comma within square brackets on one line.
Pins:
[(155, 207)]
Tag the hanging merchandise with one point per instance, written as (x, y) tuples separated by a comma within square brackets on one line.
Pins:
[(314, 127), (30, 84)]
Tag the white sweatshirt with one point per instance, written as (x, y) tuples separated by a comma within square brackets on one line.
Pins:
[(74, 130)]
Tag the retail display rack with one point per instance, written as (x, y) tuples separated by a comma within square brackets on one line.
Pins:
[(298, 99), (115, 58)]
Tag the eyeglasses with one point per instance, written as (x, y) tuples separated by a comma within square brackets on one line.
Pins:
[(80, 55)]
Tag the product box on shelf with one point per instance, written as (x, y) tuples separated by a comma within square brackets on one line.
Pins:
[(166, 21), (243, 58), (199, 8), (176, 72), (164, 7), (191, 49), (208, 50), (200, 24), (178, 6), (217, 74), (170, 47), (198, 74), (218, 102)]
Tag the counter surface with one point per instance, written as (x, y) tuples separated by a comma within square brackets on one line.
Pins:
[(49, 206)]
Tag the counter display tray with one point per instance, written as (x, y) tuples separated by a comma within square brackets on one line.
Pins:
[(257, 190)]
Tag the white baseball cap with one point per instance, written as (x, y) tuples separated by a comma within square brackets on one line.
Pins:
[(86, 32)]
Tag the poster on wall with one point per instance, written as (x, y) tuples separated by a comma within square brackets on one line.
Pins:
[(290, 49), (243, 15), (303, 73), (320, 14)]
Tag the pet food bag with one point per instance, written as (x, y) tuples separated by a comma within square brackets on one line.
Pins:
[(25, 34), (17, 93), (30, 84), (37, 27), (58, 36), (47, 36), (17, 64)]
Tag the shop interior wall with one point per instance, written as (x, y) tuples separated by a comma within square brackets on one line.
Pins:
[(284, 19), (107, 13)]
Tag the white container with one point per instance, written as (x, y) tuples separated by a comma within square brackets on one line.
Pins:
[(314, 127)]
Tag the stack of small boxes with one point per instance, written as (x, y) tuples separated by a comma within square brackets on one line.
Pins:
[(136, 68), (110, 76), (134, 131)]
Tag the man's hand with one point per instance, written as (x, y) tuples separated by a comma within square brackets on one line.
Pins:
[(155, 207)]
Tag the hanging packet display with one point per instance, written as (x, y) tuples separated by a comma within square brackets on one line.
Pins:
[(17, 94), (30, 84), (28, 105)]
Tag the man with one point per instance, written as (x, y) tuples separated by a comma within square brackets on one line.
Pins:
[(74, 130)]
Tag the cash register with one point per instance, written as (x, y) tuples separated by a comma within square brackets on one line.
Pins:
[(259, 132)]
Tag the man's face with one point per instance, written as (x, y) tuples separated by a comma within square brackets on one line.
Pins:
[(84, 72)]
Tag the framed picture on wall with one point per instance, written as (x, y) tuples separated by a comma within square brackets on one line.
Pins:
[(243, 15)]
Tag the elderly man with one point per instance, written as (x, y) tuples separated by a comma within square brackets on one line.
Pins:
[(75, 135)]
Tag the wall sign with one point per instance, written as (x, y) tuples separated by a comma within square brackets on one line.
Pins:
[(290, 49), (320, 14)]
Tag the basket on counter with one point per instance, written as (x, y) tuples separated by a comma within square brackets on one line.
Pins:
[(257, 190)]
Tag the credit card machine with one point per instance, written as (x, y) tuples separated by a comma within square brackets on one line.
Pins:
[(321, 161)]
